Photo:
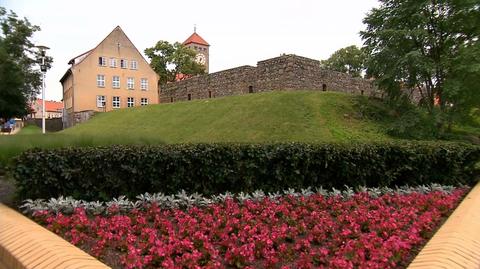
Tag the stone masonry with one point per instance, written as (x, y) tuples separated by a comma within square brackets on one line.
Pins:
[(287, 72)]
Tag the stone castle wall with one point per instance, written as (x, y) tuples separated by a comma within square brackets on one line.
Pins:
[(287, 72)]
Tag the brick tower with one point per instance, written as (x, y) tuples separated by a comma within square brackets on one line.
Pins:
[(197, 43)]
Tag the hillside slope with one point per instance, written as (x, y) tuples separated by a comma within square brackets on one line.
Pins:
[(303, 116)]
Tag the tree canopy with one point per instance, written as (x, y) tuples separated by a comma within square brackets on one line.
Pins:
[(172, 61), (429, 46), (20, 76), (348, 60)]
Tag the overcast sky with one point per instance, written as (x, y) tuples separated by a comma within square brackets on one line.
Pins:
[(239, 32)]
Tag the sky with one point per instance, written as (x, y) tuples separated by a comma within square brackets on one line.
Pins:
[(239, 32)]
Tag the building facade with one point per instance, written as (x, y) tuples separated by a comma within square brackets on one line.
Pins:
[(287, 72), (113, 75)]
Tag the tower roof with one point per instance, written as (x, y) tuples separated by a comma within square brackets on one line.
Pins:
[(197, 39)]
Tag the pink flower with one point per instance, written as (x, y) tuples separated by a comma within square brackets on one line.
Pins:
[(293, 232)]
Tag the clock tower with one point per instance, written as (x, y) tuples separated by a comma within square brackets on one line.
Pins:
[(198, 44)]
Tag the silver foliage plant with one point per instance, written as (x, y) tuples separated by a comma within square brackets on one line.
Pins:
[(67, 205)]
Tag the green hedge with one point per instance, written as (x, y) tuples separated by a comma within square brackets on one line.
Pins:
[(106, 172)]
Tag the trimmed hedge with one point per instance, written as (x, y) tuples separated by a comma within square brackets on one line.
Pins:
[(106, 172)]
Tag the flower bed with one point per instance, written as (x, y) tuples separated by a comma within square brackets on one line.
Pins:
[(368, 229)]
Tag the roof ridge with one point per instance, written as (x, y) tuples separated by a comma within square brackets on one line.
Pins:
[(195, 38)]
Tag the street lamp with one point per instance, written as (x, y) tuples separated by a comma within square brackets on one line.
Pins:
[(43, 68)]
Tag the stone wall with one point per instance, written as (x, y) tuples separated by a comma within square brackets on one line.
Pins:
[(224, 83), (72, 118), (287, 72), (83, 116)]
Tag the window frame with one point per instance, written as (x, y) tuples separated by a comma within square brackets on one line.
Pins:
[(132, 103), (144, 84), (100, 81), (133, 65), (102, 61), (115, 102), (131, 82), (113, 62), (142, 103), (103, 101), (123, 63), (116, 86)]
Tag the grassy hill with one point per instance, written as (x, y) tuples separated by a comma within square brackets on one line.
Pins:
[(301, 116), (265, 117)]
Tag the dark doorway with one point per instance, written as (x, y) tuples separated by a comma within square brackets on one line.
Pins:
[(189, 97), (171, 99), (250, 89), (209, 94), (361, 92), (324, 87)]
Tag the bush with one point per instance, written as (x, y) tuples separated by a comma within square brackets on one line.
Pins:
[(106, 172), (401, 119)]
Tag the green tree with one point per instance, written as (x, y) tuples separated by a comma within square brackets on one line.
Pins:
[(172, 60), (428, 46), (462, 85), (20, 79), (348, 60)]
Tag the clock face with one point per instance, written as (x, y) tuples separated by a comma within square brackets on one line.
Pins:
[(200, 58)]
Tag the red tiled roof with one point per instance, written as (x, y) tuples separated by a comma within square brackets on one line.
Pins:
[(181, 76), (195, 38), (53, 106)]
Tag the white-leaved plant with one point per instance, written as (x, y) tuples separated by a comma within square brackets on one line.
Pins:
[(182, 199)]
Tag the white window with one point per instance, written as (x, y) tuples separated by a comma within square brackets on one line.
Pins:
[(115, 82), (101, 100), (143, 84), (116, 102), (133, 65), (123, 63), (130, 83), (113, 62), (101, 81), (102, 61), (130, 101), (144, 101)]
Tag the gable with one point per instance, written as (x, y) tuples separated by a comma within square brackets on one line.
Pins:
[(117, 45)]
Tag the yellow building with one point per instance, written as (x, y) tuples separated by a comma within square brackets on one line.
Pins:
[(111, 76)]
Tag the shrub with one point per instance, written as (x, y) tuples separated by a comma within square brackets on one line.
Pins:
[(106, 172), (401, 118)]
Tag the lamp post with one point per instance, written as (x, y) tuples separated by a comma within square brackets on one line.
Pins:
[(43, 68)]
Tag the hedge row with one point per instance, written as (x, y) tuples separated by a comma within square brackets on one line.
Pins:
[(106, 172)]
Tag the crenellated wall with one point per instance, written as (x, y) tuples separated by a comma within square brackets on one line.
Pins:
[(287, 72)]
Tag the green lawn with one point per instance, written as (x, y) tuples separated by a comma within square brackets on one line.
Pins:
[(265, 117), (30, 130)]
